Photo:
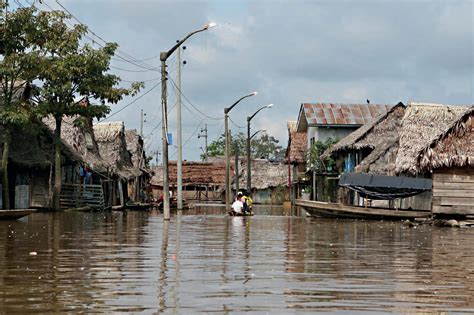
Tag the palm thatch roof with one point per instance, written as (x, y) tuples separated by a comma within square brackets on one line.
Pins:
[(297, 142), (422, 124), (452, 148), (110, 138), (378, 134), (193, 173), (35, 148), (265, 174), (79, 139), (135, 147)]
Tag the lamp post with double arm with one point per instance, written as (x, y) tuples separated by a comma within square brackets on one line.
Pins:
[(249, 178), (227, 155), (163, 57)]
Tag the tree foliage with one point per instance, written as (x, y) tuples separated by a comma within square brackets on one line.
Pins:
[(315, 152), (41, 47), (265, 147)]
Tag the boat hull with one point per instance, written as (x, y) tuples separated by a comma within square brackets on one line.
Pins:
[(14, 214), (335, 210)]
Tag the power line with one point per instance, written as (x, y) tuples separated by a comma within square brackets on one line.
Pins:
[(233, 123), (132, 102), (128, 58), (190, 103)]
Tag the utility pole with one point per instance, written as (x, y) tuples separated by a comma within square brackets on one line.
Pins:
[(179, 164), (236, 177), (164, 55), (203, 134), (141, 122)]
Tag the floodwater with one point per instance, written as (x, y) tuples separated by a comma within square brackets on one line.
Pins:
[(206, 262)]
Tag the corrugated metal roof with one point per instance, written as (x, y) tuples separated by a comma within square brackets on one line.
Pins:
[(342, 114)]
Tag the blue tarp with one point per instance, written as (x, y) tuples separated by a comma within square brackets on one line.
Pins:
[(384, 187)]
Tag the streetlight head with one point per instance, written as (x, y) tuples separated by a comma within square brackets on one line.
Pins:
[(269, 105), (254, 93), (209, 25)]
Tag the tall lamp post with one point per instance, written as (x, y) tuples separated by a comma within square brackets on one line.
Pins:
[(227, 156), (163, 57), (249, 178)]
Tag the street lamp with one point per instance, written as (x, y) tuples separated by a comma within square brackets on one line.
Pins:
[(227, 156), (163, 57), (249, 184)]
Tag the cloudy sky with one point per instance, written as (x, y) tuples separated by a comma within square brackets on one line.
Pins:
[(289, 51)]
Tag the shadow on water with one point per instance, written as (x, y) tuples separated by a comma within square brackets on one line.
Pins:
[(203, 261)]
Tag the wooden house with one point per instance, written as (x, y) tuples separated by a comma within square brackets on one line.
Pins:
[(110, 137), (31, 167), (450, 159), (137, 184), (78, 136), (295, 157), (202, 181), (269, 181), (391, 146)]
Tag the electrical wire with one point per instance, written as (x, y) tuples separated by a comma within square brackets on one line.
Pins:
[(233, 123), (190, 103), (132, 102)]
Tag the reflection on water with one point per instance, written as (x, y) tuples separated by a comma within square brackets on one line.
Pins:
[(204, 261)]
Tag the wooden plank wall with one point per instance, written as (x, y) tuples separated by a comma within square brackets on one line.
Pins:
[(453, 191)]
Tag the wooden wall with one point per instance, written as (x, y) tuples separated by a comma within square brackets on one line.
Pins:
[(453, 191)]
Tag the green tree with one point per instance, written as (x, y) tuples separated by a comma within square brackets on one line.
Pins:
[(267, 147), (316, 150), (21, 45), (69, 72), (263, 147)]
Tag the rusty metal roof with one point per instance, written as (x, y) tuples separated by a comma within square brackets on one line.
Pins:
[(342, 114)]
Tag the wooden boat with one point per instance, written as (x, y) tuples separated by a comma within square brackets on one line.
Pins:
[(137, 206), (236, 214), (14, 214), (336, 210)]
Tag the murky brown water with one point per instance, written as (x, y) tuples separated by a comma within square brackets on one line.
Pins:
[(132, 262)]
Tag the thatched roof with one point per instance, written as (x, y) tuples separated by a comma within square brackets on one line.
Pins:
[(193, 173), (110, 137), (452, 148), (297, 142), (79, 140), (135, 147), (422, 124), (378, 133), (36, 148), (265, 174)]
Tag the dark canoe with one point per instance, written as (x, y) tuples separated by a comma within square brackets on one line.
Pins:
[(235, 214), (137, 206), (336, 210), (15, 213)]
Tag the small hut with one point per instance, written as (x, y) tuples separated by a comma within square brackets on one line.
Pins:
[(138, 183), (295, 157), (269, 181), (202, 181), (77, 134), (450, 159), (110, 137)]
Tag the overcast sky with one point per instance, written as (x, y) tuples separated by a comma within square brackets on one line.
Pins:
[(289, 51)]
